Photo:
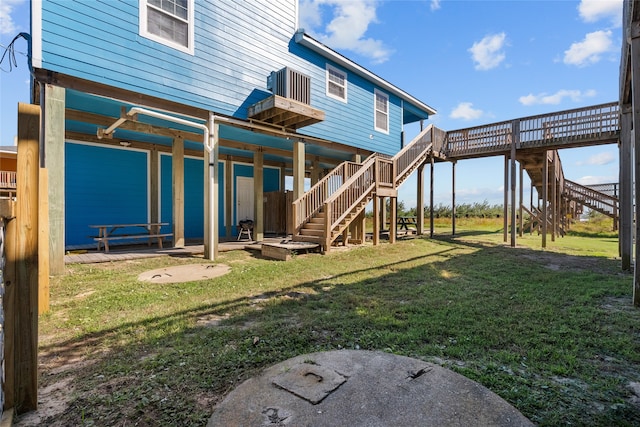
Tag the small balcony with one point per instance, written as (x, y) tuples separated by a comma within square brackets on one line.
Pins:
[(290, 104)]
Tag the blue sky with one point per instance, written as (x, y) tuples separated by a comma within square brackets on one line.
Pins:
[(476, 62)]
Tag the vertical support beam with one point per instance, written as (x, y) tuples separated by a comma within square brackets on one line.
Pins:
[(420, 201), (211, 192), (505, 208), (376, 220), (154, 184), (520, 202), (545, 196), (554, 195), (43, 242), (22, 289), (228, 197), (258, 192), (453, 198), (383, 212), (53, 155), (431, 199), (283, 174), (515, 142), (177, 191), (635, 84), (626, 190), (315, 171), (393, 219), (298, 169)]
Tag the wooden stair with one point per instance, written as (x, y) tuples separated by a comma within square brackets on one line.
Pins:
[(325, 212)]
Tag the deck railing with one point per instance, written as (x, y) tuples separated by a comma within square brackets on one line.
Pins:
[(419, 147), (596, 200), (555, 129), (7, 180)]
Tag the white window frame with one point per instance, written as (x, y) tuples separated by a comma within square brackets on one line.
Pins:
[(144, 32), (377, 93), (344, 76)]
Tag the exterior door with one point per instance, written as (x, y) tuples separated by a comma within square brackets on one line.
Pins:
[(244, 199)]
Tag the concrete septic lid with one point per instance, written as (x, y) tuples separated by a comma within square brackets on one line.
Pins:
[(362, 388), (184, 273)]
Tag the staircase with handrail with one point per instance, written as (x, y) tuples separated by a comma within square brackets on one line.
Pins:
[(324, 212)]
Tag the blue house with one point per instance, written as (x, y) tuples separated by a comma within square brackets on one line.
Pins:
[(193, 112)]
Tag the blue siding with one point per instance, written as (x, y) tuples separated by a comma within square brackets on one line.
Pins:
[(237, 44), (193, 196), (103, 186)]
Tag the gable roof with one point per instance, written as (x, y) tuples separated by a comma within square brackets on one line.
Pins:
[(306, 40)]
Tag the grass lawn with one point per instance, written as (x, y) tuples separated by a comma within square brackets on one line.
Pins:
[(553, 332)]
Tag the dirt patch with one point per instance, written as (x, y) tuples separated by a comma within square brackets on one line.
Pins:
[(184, 273)]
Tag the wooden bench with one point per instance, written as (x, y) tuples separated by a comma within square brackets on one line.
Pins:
[(106, 233)]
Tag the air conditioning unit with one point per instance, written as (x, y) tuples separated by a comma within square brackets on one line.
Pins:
[(291, 84)]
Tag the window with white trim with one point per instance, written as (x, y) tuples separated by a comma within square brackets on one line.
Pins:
[(336, 83), (381, 111), (169, 22)]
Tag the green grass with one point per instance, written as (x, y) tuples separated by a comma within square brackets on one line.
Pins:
[(553, 332)]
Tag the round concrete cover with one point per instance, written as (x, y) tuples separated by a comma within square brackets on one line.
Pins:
[(184, 273), (362, 388)]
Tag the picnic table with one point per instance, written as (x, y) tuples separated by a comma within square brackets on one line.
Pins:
[(405, 221), (143, 230)]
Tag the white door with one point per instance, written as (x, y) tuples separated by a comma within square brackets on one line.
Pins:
[(244, 199)]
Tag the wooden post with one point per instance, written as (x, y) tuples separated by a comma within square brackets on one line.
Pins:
[(545, 193), (520, 202), (383, 213), (453, 198), (505, 209), (211, 192), (515, 141), (258, 192), (298, 169), (154, 184), (420, 201), (43, 242), (228, 197), (393, 219), (21, 303), (431, 199), (177, 191), (315, 171), (554, 204), (626, 190), (635, 91), (53, 129), (376, 220)]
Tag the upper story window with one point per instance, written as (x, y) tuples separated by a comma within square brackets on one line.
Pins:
[(169, 22), (381, 108), (336, 83)]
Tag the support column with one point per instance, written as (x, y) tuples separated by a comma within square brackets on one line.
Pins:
[(554, 204), (635, 84), (453, 198), (521, 201), (298, 169), (52, 135), (431, 199), (383, 212), (315, 172), (420, 201), (211, 192), (177, 191), (626, 190), (228, 197), (22, 271), (393, 219), (376, 220), (258, 192), (545, 196), (515, 138), (505, 208)]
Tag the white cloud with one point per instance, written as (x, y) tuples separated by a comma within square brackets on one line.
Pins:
[(599, 159), (488, 53), (589, 50), (348, 26), (7, 26), (593, 180), (594, 10), (435, 4), (465, 111), (556, 98)]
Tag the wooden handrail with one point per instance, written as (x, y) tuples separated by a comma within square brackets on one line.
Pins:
[(7, 180)]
